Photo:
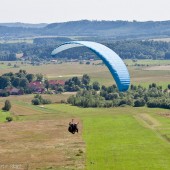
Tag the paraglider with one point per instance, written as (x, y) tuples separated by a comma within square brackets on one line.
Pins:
[(114, 63), (73, 127)]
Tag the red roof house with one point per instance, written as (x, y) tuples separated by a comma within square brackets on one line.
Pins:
[(56, 82), (37, 86), (14, 91)]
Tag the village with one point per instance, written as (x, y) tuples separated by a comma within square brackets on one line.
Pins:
[(23, 83)]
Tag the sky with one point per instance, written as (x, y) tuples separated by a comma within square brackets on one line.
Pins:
[(50, 11)]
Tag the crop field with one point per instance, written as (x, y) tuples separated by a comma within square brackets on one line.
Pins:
[(123, 138)]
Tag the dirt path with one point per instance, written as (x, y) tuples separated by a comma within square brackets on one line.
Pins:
[(153, 124), (40, 144), (147, 120)]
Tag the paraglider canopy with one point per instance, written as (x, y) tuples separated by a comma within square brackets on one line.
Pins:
[(114, 63)]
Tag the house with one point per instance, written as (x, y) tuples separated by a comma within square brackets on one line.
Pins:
[(56, 82), (14, 91), (37, 87)]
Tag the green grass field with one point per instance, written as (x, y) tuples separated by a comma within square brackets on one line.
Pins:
[(123, 138), (3, 115)]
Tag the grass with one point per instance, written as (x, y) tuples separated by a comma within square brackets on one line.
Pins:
[(27, 98), (3, 115), (115, 139), (123, 144)]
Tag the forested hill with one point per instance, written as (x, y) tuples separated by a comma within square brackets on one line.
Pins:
[(110, 28), (101, 29)]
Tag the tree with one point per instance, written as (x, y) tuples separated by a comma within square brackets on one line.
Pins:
[(16, 82), (7, 105), (59, 89), (169, 86), (23, 82), (88, 62), (30, 77), (76, 81), (167, 56), (139, 103), (36, 101), (4, 82), (46, 84), (23, 71), (96, 86), (39, 77), (85, 79)]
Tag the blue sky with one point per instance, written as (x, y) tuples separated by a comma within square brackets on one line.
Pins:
[(49, 11)]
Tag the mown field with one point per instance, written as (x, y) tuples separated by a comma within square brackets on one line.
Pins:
[(115, 138), (124, 138)]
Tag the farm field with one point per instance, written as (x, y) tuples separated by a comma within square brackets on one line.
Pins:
[(157, 71)]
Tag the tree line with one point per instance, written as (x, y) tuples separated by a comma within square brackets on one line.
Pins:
[(136, 96), (42, 48), (18, 80)]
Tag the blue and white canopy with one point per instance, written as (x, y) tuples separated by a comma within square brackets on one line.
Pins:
[(114, 63)]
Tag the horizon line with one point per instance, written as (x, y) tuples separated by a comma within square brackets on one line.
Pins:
[(22, 22)]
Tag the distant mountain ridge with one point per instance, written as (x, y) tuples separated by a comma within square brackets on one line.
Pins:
[(101, 29)]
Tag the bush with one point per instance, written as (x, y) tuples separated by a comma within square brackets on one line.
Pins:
[(169, 86), (159, 103), (139, 103), (7, 105), (4, 94), (9, 119), (39, 100), (108, 104), (63, 101), (126, 102), (96, 86), (36, 101), (45, 101), (88, 62)]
